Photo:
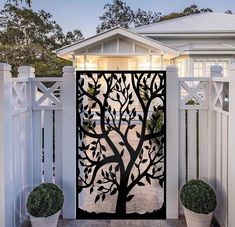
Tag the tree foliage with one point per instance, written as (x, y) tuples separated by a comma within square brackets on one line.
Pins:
[(116, 14), (28, 38), (17, 2), (145, 17), (193, 9), (120, 14)]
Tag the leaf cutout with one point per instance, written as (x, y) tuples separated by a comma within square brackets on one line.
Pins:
[(132, 126), (129, 198), (117, 168), (148, 179), (141, 184), (99, 182), (122, 144), (161, 182), (138, 134), (103, 197), (97, 198), (140, 117), (100, 188), (132, 177), (113, 192)]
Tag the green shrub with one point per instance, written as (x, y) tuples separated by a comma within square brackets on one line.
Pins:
[(45, 200), (198, 197), (155, 124)]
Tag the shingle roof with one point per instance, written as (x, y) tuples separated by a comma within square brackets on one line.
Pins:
[(204, 23)]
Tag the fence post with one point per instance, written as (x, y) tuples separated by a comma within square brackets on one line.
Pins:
[(32, 161), (215, 71), (69, 141), (6, 159), (231, 148), (172, 143)]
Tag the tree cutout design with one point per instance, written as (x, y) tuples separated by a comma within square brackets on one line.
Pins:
[(113, 110)]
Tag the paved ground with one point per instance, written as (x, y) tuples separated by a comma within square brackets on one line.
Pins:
[(122, 223)]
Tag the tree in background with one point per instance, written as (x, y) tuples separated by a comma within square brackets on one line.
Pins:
[(193, 9), (27, 2), (228, 11), (116, 14), (120, 14), (142, 17), (28, 38)]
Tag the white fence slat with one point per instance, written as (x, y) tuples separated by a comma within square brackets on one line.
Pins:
[(212, 147), (22, 150), (182, 153), (182, 149), (37, 147), (192, 153), (203, 146), (48, 146), (17, 169), (218, 162), (224, 169), (58, 148), (172, 142)]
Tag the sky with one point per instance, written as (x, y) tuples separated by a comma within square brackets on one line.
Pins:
[(84, 14)]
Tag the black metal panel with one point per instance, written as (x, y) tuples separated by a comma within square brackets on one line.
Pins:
[(121, 119)]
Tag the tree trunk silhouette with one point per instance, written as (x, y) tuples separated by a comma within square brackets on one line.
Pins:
[(121, 198)]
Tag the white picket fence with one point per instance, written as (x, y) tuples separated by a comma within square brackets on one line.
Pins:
[(34, 113)]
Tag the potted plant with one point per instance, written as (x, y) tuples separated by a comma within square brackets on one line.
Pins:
[(44, 204), (199, 202)]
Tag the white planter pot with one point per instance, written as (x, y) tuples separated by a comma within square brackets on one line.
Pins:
[(197, 220), (50, 221)]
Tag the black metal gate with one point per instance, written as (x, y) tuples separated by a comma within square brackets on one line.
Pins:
[(121, 156)]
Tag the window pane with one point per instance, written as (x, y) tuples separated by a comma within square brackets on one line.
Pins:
[(224, 63), (198, 67)]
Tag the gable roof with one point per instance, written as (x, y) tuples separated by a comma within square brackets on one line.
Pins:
[(110, 34), (197, 23)]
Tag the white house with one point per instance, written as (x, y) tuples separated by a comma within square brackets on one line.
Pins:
[(193, 43)]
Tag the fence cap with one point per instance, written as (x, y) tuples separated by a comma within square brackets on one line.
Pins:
[(68, 69), (172, 68), (26, 71), (5, 67)]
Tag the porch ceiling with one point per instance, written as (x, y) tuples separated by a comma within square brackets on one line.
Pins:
[(117, 42)]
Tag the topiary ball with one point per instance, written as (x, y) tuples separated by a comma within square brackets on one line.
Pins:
[(45, 200), (198, 197)]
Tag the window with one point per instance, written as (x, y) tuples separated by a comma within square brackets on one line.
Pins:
[(198, 67), (180, 63), (201, 67), (224, 63)]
